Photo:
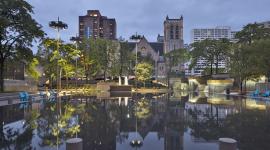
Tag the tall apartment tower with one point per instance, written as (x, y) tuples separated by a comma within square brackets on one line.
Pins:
[(95, 25), (173, 34), (216, 33)]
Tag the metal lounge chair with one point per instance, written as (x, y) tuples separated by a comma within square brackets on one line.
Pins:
[(266, 93), (255, 93), (22, 97)]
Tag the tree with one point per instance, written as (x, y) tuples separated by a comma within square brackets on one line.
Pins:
[(222, 47), (211, 51), (252, 32), (249, 57), (63, 57), (126, 58), (17, 31), (174, 58), (143, 72), (240, 61), (32, 69), (99, 56)]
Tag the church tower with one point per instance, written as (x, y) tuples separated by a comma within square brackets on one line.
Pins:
[(173, 34)]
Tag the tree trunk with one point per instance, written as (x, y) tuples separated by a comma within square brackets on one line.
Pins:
[(241, 87), (216, 68), (211, 69), (2, 75), (66, 81), (245, 88), (168, 76), (86, 75), (104, 75)]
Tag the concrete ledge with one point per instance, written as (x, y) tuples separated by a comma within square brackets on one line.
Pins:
[(114, 88), (19, 85)]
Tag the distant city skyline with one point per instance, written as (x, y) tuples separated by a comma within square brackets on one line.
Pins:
[(146, 17)]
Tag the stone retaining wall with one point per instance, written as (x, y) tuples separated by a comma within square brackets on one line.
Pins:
[(19, 85)]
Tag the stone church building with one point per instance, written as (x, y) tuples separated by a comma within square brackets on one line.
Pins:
[(172, 39), (153, 50)]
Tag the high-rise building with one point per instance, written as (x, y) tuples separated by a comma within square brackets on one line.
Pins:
[(212, 33), (95, 25), (173, 34), (265, 24)]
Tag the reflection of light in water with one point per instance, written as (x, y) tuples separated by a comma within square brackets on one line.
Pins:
[(252, 104), (126, 101), (119, 101), (193, 99), (220, 101)]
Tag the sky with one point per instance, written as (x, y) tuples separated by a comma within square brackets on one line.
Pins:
[(146, 17)]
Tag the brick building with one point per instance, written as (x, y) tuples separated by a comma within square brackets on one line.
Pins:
[(173, 34), (93, 24)]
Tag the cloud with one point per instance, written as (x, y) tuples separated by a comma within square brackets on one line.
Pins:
[(147, 16)]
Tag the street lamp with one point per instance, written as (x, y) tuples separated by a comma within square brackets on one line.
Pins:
[(58, 25), (76, 41), (136, 142), (136, 38)]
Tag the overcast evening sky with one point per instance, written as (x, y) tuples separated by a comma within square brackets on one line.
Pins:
[(146, 16)]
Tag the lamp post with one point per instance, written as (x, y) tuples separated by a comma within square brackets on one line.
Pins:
[(58, 26), (136, 38), (136, 142), (76, 41)]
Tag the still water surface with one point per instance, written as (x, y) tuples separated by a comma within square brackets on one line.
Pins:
[(163, 122)]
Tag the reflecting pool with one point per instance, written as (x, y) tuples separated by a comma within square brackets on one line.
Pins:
[(177, 121)]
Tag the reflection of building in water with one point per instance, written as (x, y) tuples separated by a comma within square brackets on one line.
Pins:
[(165, 122), (203, 110), (11, 113), (174, 128)]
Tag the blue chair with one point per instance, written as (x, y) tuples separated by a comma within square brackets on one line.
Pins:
[(22, 97), (266, 93), (26, 96), (255, 93)]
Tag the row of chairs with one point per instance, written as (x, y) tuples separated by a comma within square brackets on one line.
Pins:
[(258, 93), (25, 97)]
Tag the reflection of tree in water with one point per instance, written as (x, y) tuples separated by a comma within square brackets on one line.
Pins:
[(208, 128), (251, 128), (19, 138), (100, 130), (142, 109), (55, 127)]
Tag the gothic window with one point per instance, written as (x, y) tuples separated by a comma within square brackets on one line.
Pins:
[(171, 32), (177, 32)]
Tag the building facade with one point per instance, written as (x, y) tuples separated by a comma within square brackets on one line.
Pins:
[(93, 24), (265, 24), (173, 34), (154, 51), (216, 33)]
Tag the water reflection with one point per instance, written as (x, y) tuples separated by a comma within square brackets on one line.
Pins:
[(163, 122)]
